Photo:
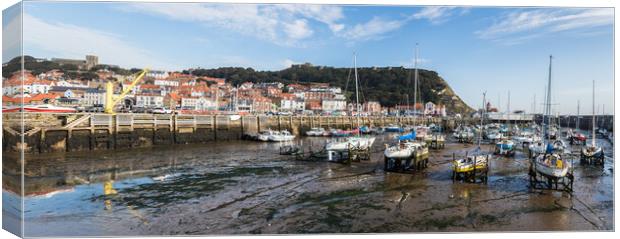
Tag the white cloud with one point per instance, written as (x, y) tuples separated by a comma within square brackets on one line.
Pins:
[(70, 41), (374, 29), (436, 15), (329, 15), (282, 24), (519, 26), (298, 29)]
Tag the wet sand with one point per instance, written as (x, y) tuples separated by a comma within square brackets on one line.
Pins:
[(244, 187)]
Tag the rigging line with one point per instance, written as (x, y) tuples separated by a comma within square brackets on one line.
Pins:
[(347, 84)]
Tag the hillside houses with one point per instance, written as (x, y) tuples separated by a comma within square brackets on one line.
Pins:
[(182, 92)]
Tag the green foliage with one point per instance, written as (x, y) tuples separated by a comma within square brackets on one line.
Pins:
[(388, 85)]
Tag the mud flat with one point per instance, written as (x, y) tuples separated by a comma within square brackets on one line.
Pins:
[(242, 187)]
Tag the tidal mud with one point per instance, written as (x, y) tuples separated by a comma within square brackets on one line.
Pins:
[(245, 187)]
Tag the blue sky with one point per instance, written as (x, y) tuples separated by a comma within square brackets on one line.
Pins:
[(474, 49)]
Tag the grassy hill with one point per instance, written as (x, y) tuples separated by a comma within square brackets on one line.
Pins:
[(388, 85)]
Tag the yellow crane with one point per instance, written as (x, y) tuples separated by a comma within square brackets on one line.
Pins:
[(111, 101)]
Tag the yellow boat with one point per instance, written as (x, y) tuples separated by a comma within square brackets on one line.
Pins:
[(466, 165)]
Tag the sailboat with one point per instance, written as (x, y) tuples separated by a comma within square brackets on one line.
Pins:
[(477, 162), (592, 152), (407, 147), (549, 163), (356, 141)]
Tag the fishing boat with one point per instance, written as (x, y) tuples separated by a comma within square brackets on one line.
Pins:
[(317, 132), (549, 168), (281, 136), (356, 141), (592, 153), (264, 135), (275, 136)]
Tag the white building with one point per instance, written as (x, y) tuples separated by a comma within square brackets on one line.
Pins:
[(166, 82), (334, 105), (157, 74), (149, 100), (93, 97), (65, 83), (198, 103), (292, 105), (245, 105)]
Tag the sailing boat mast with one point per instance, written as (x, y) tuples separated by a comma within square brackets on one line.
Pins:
[(578, 115), (593, 118), (357, 98), (484, 95), (415, 84), (548, 99)]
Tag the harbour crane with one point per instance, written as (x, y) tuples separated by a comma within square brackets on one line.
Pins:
[(111, 101)]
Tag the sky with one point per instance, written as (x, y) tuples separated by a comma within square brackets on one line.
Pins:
[(475, 49)]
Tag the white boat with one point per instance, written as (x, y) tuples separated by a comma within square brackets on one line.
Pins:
[(280, 136), (504, 146), (559, 146), (422, 132), (356, 141), (549, 163), (400, 150), (537, 148), (45, 108), (344, 144), (494, 135), (593, 151), (316, 132), (264, 135)]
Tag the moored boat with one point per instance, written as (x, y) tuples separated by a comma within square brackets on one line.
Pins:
[(316, 132)]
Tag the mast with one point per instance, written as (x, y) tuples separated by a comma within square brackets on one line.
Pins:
[(578, 115), (508, 112), (484, 95), (548, 97), (357, 97), (415, 84), (593, 118)]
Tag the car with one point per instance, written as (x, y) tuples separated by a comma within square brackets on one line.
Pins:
[(161, 110)]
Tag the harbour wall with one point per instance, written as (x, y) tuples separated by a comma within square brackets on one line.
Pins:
[(49, 133)]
